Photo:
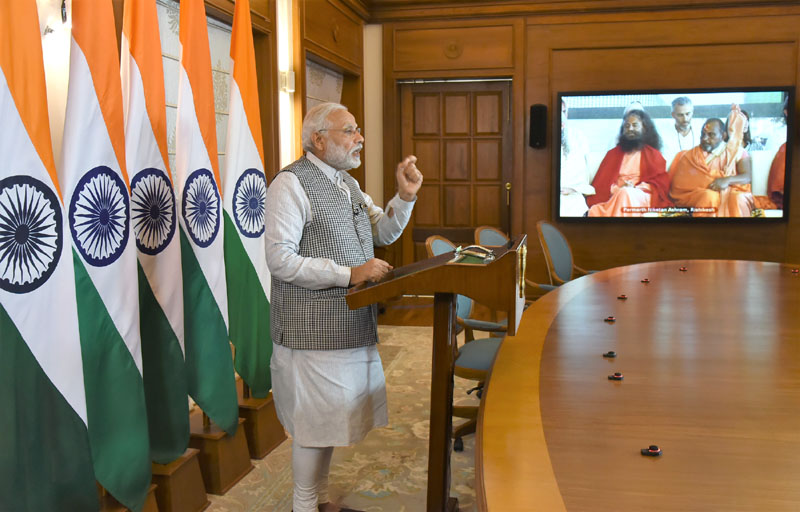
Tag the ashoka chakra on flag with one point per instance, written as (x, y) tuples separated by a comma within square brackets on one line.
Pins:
[(99, 216), (31, 233), (201, 207), (152, 210), (249, 198)]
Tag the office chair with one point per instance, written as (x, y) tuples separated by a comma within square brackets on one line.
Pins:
[(489, 236), (558, 255), (475, 356)]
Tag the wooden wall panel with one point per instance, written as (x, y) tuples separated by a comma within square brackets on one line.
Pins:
[(487, 160), (488, 199), (332, 27), (456, 112), (488, 112), (453, 48), (457, 206), (427, 213), (457, 160), (427, 115), (713, 65), (261, 8), (429, 151), (409, 10)]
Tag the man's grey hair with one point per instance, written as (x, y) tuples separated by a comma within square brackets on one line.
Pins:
[(681, 101), (317, 119)]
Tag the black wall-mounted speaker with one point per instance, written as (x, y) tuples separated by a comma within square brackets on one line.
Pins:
[(538, 126)]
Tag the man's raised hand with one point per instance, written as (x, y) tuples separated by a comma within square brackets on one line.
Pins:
[(409, 179)]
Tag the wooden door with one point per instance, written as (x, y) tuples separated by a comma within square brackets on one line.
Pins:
[(461, 134)]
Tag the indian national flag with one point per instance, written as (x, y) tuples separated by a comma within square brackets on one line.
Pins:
[(154, 220), (245, 193), (209, 365), (98, 205), (45, 460)]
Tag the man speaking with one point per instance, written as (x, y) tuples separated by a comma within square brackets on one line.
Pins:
[(328, 382)]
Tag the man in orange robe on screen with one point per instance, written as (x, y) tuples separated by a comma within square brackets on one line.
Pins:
[(632, 178), (713, 178), (777, 171), (777, 174)]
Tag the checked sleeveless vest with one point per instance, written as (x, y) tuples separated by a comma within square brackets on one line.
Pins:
[(341, 231)]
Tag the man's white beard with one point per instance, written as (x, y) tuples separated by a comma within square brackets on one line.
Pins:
[(338, 157)]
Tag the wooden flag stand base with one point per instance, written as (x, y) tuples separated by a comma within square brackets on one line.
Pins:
[(261, 427), (180, 484), (452, 505), (109, 504), (224, 459)]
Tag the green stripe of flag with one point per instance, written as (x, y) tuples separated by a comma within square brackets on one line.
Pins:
[(164, 375), (114, 399), (45, 460), (209, 365), (248, 315)]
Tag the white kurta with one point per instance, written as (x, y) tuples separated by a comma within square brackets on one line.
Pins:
[(329, 397), (324, 397)]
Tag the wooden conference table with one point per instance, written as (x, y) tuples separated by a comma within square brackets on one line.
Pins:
[(711, 365)]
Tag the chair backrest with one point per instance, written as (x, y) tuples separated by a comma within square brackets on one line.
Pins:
[(557, 253), (436, 245), (491, 236)]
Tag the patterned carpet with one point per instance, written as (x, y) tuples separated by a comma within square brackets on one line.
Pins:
[(387, 472)]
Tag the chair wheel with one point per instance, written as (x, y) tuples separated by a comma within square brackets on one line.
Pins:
[(458, 445)]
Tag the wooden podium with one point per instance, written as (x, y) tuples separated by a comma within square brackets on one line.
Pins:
[(498, 284)]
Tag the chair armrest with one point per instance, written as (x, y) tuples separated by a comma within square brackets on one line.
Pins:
[(480, 325), (582, 271), (536, 290), (461, 326)]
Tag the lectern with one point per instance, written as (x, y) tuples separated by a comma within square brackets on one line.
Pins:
[(497, 282)]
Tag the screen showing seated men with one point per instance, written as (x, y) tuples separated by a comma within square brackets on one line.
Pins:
[(677, 154)]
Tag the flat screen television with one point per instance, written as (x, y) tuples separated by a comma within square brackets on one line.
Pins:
[(690, 155)]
